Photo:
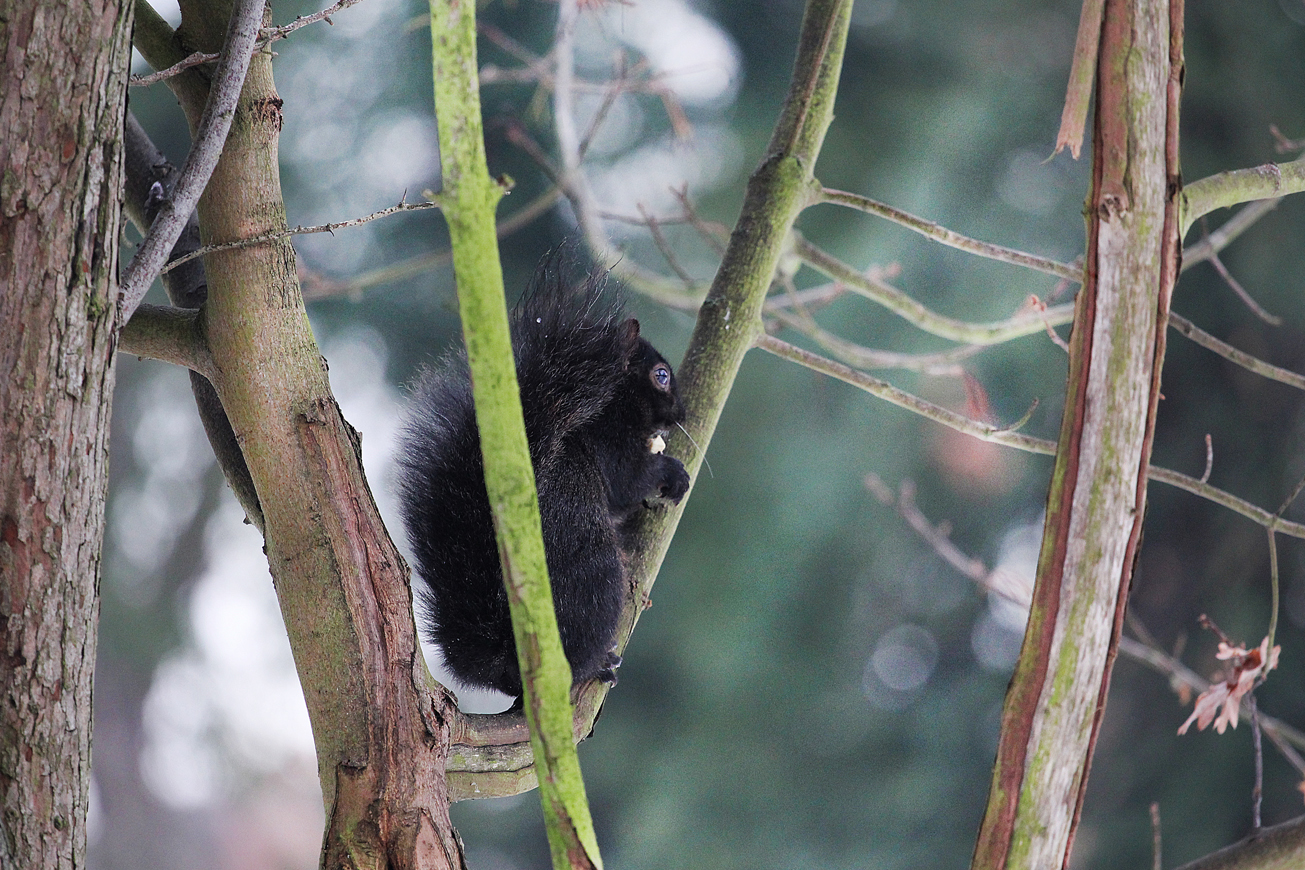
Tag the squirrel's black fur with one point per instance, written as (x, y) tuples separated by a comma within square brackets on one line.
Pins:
[(595, 394)]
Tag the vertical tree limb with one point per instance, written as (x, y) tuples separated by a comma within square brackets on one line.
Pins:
[(380, 724), (1098, 490), (730, 319), (468, 200)]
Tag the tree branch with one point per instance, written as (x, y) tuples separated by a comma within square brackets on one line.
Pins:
[(1281, 847), (877, 290), (1269, 181), (1251, 363), (952, 239), (298, 231), (1239, 223), (209, 140), (154, 38), (169, 334), (729, 321)]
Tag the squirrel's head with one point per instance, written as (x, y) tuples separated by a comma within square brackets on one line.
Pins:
[(653, 392)]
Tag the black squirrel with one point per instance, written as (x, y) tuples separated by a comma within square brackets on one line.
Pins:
[(598, 401)]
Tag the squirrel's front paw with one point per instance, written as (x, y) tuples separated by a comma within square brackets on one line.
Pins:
[(674, 483)]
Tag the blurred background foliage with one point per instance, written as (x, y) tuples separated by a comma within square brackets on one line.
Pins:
[(814, 686)]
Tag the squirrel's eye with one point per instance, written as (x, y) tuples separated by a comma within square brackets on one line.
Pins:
[(661, 376)]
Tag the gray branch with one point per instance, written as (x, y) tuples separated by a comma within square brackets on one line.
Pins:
[(242, 31)]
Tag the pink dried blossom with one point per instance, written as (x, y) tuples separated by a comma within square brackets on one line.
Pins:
[(1222, 702)]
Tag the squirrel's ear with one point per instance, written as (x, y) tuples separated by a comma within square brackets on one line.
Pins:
[(630, 334)]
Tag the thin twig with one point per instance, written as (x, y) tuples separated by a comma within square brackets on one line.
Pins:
[(272, 34), (998, 435), (1247, 300), (193, 60), (1273, 586), (1209, 458), (903, 399), (713, 234), (1239, 223), (1040, 306), (300, 231), (659, 239), (319, 287), (1147, 652), (873, 288), (903, 501), (1257, 793), (1251, 363), (1156, 863), (861, 357), (267, 37), (210, 137), (952, 239), (1030, 320), (617, 87), (1282, 735), (811, 298)]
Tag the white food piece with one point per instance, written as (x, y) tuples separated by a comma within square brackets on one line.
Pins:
[(656, 444)]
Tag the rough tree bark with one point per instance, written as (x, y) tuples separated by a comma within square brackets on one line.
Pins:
[(61, 108)]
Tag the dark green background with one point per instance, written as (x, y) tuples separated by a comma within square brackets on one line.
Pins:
[(744, 733)]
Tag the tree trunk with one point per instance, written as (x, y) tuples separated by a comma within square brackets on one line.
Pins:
[(380, 723), (61, 107), (1098, 489)]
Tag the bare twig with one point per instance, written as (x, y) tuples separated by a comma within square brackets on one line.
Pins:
[(713, 234), (1247, 300), (617, 87), (659, 239), (952, 239), (320, 287), (211, 135), (873, 288), (1209, 458), (1156, 862), (192, 60), (1257, 793), (861, 357), (1282, 144), (1232, 354), (268, 36), (903, 399), (1282, 735), (272, 34), (1239, 223), (1146, 651), (1254, 513), (903, 501), (999, 435), (1038, 305), (300, 231), (810, 298)]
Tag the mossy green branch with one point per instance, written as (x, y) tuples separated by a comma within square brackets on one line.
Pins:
[(468, 200), (1269, 181), (730, 319)]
